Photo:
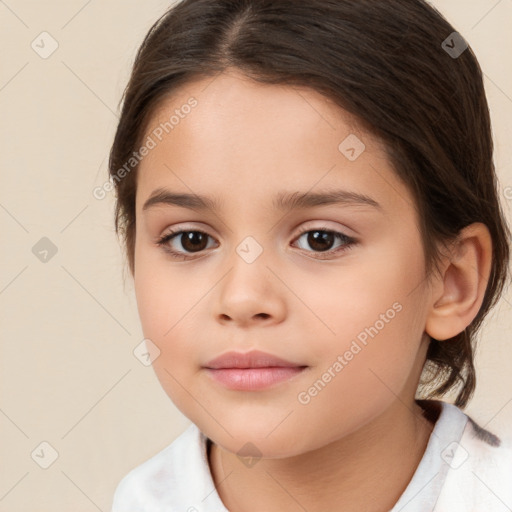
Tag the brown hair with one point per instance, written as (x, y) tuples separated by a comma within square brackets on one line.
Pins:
[(382, 61)]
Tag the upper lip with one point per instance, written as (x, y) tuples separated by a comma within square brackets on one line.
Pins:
[(252, 359)]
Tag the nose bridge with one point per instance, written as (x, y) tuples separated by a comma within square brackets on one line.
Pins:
[(249, 230), (249, 259), (255, 246)]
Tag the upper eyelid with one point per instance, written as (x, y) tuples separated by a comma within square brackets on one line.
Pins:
[(186, 229), (304, 225)]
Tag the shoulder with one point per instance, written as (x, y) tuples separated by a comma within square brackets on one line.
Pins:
[(488, 452), (143, 488), (480, 471)]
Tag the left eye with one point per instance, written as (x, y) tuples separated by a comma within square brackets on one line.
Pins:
[(193, 241), (320, 239)]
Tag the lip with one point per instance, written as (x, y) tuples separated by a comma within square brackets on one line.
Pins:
[(252, 359), (251, 371)]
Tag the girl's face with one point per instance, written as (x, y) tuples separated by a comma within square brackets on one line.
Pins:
[(337, 287)]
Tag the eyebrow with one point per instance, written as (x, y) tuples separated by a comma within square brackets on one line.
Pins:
[(282, 201)]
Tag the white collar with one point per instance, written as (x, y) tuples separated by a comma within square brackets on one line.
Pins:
[(179, 476)]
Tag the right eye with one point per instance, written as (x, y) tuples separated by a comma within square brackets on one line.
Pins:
[(192, 240)]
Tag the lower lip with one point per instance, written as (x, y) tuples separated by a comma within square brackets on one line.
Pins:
[(254, 379)]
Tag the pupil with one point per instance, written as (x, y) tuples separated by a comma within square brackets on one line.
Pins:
[(192, 237), (317, 239)]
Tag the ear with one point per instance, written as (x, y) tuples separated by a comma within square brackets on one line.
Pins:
[(459, 292)]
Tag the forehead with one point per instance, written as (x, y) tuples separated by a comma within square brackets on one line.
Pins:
[(250, 138), (230, 100)]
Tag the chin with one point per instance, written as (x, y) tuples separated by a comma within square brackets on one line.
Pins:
[(257, 439)]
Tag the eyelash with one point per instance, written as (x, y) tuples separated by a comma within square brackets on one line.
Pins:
[(162, 242)]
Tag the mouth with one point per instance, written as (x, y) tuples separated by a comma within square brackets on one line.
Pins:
[(254, 379), (251, 371)]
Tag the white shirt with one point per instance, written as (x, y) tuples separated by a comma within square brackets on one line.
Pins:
[(464, 469)]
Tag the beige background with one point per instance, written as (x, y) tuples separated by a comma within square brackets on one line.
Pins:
[(70, 325)]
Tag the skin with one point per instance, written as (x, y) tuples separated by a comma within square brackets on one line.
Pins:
[(359, 440)]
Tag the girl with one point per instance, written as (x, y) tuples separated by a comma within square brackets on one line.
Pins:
[(331, 160)]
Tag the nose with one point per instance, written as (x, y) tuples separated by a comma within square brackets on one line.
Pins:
[(250, 293)]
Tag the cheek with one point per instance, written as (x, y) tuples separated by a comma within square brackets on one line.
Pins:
[(168, 309), (161, 307), (375, 321), (165, 316), (154, 303), (366, 299), (159, 292), (381, 343), (345, 392)]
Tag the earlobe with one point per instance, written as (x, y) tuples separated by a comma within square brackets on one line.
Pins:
[(459, 292)]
